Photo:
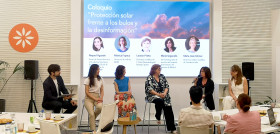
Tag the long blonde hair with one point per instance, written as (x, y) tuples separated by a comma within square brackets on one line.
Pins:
[(236, 68)]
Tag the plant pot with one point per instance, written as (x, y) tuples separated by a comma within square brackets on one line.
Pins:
[(2, 105)]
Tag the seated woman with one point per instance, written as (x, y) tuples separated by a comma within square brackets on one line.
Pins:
[(236, 86), (123, 93), (207, 84), (244, 122), (157, 91), (94, 94)]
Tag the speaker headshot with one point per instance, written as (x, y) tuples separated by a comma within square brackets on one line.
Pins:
[(192, 44), (122, 44), (53, 89), (169, 45), (145, 44), (97, 44)]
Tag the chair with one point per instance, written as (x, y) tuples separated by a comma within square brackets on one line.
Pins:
[(150, 117), (106, 117), (48, 127), (83, 101), (189, 130)]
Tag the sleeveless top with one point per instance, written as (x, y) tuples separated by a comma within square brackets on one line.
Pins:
[(122, 84), (237, 89)]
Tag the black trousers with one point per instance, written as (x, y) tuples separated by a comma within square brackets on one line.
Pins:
[(168, 113), (57, 105)]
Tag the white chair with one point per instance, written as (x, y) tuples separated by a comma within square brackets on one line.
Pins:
[(48, 127), (189, 130), (106, 117), (143, 123)]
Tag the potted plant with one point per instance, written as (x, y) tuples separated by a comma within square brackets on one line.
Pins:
[(270, 101), (3, 81)]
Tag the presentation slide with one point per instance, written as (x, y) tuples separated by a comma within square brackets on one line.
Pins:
[(138, 34)]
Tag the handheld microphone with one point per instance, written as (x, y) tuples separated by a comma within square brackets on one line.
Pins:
[(196, 78)]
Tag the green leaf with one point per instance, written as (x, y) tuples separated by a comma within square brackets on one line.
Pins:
[(18, 68), (6, 64)]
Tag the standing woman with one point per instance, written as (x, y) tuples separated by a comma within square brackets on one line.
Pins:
[(236, 86), (157, 91), (123, 93), (207, 84), (94, 94)]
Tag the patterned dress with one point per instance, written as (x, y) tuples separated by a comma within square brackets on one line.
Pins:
[(126, 102)]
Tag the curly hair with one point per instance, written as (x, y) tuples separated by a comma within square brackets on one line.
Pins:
[(119, 72)]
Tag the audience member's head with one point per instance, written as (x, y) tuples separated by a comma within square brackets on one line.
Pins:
[(196, 94), (244, 102)]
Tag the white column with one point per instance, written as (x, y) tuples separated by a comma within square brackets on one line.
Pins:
[(275, 23)]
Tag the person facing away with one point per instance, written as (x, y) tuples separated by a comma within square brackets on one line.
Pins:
[(245, 121), (195, 116), (53, 87), (94, 91)]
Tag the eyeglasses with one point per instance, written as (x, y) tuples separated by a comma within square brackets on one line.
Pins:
[(159, 68)]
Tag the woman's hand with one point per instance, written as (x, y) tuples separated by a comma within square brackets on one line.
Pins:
[(225, 117), (99, 100), (162, 95)]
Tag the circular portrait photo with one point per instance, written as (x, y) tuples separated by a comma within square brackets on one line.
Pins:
[(97, 44), (122, 44), (192, 44), (169, 45), (145, 44)]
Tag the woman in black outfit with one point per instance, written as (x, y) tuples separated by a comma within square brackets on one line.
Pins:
[(206, 83)]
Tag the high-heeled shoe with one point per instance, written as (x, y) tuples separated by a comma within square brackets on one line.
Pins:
[(174, 132)]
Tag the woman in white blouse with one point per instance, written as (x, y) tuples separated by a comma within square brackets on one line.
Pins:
[(94, 94), (236, 85)]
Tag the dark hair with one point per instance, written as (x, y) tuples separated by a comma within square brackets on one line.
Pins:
[(53, 68), (93, 46), (236, 68), (188, 41), (154, 68), (119, 72), (196, 94), (124, 41), (144, 40), (244, 102), (207, 71), (92, 71), (172, 44)]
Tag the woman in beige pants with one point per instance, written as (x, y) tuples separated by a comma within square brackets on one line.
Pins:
[(94, 94)]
